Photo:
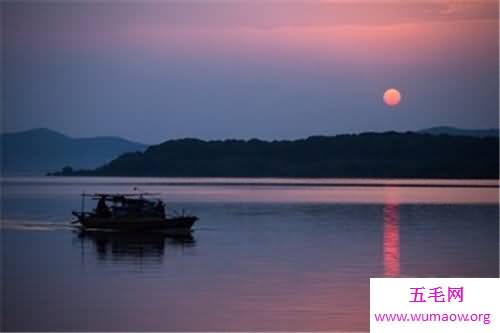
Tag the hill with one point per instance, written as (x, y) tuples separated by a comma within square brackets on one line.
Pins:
[(384, 155), (446, 130), (38, 151)]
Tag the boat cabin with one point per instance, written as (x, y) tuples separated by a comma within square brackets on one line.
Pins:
[(127, 205)]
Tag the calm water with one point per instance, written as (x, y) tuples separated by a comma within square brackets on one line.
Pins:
[(267, 254)]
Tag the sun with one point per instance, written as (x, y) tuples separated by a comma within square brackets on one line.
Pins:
[(392, 97)]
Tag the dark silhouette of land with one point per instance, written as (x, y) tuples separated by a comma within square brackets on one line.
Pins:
[(38, 151), (374, 155), (480, 133)]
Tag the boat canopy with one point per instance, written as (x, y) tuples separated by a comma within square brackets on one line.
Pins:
[(118, 196)]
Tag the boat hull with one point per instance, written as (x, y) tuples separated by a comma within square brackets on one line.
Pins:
[(180, 224)]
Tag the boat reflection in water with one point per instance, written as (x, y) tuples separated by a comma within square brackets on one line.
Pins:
[(132, 246)]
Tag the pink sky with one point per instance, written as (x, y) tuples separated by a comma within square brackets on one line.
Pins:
[(235, 57)]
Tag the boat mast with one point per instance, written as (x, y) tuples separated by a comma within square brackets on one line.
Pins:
[(82, 206)]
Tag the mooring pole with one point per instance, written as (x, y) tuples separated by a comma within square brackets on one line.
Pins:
[(82, 203)]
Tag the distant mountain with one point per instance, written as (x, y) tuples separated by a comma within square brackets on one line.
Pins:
[(480, 133), (38, 151), (377, 155)]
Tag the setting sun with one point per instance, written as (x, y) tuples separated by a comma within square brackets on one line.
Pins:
[(392, 97)]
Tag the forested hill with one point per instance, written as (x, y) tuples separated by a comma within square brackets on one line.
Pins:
[(391, 154)]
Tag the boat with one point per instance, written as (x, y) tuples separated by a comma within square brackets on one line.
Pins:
[(132, 212)]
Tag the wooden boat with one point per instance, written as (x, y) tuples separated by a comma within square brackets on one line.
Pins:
[(132, 212)]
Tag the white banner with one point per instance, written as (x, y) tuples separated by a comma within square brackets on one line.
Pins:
[(434, 305)]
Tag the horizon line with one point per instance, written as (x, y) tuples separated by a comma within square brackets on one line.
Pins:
[(254, 137)]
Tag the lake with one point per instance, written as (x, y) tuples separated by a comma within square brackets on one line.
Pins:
[(266, 254)]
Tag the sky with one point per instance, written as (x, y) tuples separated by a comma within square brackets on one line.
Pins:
[(156, 70)]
